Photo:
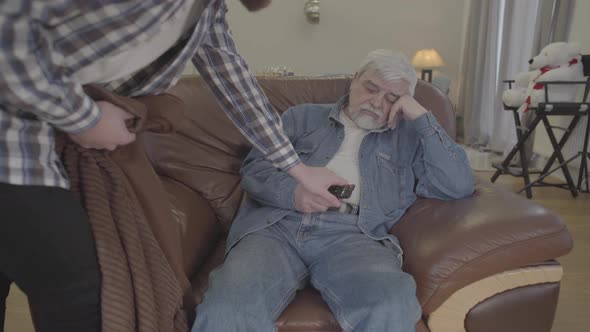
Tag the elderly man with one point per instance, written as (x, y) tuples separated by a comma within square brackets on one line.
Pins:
[(379, 139)]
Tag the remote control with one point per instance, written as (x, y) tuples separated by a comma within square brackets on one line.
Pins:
[(341, 192)]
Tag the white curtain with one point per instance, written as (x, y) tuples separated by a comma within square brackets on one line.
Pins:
[(498, 43)]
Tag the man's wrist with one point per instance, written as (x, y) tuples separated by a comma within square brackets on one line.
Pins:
[(297, 171), (81, 121), (417, 114)]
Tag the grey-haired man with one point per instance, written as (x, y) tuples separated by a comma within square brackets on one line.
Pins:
[(378, 138)]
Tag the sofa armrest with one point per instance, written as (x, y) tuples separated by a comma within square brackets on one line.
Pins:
[(525, 298), (450, 244)]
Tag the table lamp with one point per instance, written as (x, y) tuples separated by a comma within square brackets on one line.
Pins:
[(427, 59)]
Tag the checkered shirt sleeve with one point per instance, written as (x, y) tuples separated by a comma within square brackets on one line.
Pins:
[(240, 96), (32, 79)]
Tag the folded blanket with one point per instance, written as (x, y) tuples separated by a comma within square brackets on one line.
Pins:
[(144, 287)]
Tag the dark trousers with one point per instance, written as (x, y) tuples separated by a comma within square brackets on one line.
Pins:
[(47, 249)]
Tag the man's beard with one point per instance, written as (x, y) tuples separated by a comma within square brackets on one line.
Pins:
[(255, 5), (366, 121)]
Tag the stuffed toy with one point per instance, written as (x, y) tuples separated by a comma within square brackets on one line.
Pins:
[(557, 62)]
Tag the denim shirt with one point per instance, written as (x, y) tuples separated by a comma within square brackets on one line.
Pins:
[(417, 158)]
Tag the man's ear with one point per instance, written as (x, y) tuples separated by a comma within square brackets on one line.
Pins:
[(355, 77)]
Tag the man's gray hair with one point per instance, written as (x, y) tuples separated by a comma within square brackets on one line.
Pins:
[(391, 66)]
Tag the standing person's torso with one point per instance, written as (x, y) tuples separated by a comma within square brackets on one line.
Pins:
[(131, 60), (88, 42)]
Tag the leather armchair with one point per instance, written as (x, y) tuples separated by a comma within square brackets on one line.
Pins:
[(484, 263)]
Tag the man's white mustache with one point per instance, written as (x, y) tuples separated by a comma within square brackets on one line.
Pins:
[(371, 110)]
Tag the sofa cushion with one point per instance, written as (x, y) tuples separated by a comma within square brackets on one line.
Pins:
[(196, 223), (206, 152)]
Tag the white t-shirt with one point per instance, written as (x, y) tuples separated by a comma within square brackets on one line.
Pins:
[(345, 162), (122, 64)]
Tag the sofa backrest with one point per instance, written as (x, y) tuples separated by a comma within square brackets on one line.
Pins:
[(206, 151)]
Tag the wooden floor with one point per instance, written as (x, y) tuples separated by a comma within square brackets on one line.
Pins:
[(573, 312)]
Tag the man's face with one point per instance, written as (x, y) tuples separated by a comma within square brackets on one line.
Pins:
[(255, 5), (371, 98)]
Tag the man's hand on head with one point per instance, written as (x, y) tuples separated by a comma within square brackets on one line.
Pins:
[(407, 107), (312, 192)]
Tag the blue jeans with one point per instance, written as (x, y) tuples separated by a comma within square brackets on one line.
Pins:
[(360, 278)]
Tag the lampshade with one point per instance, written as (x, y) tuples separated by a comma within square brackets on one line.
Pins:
[(427, 58)]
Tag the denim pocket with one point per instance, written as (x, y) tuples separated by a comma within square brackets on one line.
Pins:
[(390, 183)]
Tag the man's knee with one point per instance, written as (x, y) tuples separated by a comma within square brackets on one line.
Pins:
[(86, 281), (399, 301), (79, 292), (233, 303), (69, 307)]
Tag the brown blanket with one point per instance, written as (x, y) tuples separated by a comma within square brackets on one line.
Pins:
[(144, 287)]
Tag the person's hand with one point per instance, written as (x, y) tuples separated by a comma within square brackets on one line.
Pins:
[(110, 131), (311, 193), (407, 107)]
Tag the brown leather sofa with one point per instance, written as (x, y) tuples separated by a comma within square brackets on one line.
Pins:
[(482, 264)]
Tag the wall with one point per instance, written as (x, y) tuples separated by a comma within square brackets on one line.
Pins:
[(348, 30), (580, 30)]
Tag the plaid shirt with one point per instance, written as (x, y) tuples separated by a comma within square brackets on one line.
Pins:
[(43, 44)]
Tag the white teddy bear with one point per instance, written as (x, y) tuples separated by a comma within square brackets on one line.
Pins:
[(557, 62)]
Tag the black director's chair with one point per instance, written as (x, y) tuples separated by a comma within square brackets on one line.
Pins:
[(542, 112)]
